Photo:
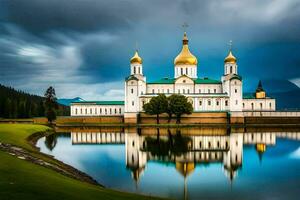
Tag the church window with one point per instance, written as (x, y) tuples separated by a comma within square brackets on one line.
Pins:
[(188, 91), (209, 144), (139, 70), (200, 103), (215, 90), (80, 110), (153, 91), (199, 90), (110, 111), (184, 81), (217, 102), (218, 144), (76, 111), (226, 103), (86, 111), (120, 110), (181, 70), (158, 91), (200, 145), (208, 90), (270, 105), (143, 102), (183, 91), (236, 102), (178, 91), (134, 70), (230, 69), (115, 111), (95, 110), (131, 91), (252, 106), (132, 103), (168, 91), (243, 105), (132, 158), (209, 102), (100, 110), (132, 143), (91, 111), (186, 70), (105, 111), (226, 144), (261, 105), (235, 90)]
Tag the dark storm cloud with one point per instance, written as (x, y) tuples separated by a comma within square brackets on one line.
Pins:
[(39, 16), (83, 47)]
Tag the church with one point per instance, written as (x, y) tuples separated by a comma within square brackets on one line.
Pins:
[(205, 94)]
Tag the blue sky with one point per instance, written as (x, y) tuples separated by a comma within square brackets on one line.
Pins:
[(83, 48)]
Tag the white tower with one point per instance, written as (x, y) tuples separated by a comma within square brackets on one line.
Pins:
[(135, 85), (232, 83)]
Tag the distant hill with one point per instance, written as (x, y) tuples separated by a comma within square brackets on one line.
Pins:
[(288, 99), (277, 86), (67, 102), (19, 104)]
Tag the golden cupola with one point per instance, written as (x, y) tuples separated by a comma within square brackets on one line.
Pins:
[(230, 58), (185, 57), (136, 58)]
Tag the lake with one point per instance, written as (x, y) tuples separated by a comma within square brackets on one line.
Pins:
[(186, 163)]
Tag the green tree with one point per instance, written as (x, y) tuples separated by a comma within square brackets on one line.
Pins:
[(50, 104), (156, 106), (179, 105)]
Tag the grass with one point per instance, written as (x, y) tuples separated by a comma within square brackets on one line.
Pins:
[(21, 179)]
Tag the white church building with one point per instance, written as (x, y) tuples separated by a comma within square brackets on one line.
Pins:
[(205, 94)]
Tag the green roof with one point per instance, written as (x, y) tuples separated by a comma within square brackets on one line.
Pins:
[(206, 81), (100, 102), (196, 81), (248, 96), (163, 81)]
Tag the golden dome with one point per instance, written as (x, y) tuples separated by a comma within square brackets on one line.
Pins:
[(230, 58), (136, 58), (185, 57), (185, 168)]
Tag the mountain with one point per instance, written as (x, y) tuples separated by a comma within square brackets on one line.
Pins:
[(67, 102), (19, 104)]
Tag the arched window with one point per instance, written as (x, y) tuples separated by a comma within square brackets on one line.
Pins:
[(80, 110), (168, 91), (139, 70), (120, 110), (110, 111), (243, 105), (188, 91), (209, 102), (76, 111), (86, 111), (186, 70), (153, 91), (235, 90), (91, 111), (217, 102), (208, 90), (134, 70), (131, 91), (270, 104), (181, 71), (261, 106), (183, 91), (230, 69), (100, 110), (252, 106), (215, 90), (200, 103), (226, 103), (115, 111)]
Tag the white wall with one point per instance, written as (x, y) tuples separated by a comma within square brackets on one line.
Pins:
[(189, 70), (259, 104), (96, 110)]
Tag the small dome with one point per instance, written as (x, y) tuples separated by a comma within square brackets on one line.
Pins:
[(136, 58), (185, 57), (230, 58)]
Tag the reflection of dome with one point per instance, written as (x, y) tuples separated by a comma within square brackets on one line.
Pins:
[(185, 168), (260, 149), (136, 172), (231, 172), (185, 57), (230, 58), (136, 59)]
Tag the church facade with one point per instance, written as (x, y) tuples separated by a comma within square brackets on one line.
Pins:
[(205, 94)]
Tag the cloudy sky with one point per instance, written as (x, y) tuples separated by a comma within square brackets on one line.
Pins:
[(83, 47)]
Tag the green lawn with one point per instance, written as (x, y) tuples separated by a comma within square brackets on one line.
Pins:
[(21, 179)]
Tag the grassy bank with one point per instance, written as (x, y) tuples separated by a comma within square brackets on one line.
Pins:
[(21, 179)]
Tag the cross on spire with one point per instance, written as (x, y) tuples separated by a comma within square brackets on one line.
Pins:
[(185, 26), (230, 45)]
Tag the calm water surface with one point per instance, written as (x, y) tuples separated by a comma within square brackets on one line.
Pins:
[(198, 163)]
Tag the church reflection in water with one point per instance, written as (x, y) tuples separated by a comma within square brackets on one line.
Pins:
[(185, 147)]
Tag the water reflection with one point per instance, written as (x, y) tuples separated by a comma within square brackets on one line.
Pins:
[(184, 150)]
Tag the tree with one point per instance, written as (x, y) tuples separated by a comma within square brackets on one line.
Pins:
[(50, 104), (179, 105), (156, 106)]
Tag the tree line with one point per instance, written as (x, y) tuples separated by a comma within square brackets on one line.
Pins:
[(19, 104), (175, 105)]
